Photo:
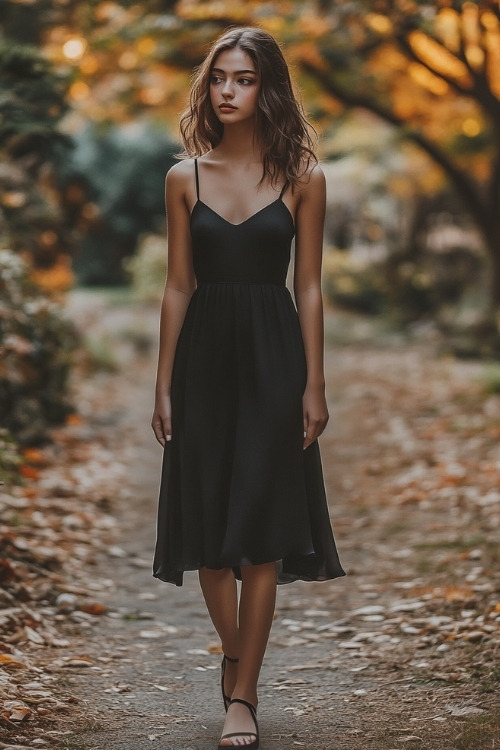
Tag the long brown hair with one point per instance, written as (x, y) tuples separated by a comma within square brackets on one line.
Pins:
[(281, 127)]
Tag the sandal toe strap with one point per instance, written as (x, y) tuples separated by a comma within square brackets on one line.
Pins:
[(238, 734)]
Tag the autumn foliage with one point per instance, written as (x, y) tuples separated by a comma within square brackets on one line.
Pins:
[(32, 218), (431, 70), (36, 344)]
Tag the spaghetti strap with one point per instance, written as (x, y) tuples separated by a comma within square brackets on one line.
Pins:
[(197, 179), (283, 189)]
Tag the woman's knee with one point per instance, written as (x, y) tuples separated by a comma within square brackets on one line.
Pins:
[(216, 574), (264, 571)]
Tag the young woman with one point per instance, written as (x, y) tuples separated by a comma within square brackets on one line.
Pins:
[(240, 394)]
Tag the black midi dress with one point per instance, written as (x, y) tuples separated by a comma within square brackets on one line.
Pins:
[(237, 487)]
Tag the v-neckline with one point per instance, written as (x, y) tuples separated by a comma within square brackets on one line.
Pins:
[(249, 218)]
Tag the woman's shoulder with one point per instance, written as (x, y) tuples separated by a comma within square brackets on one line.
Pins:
[(181, 170), (180, 176), (312, 179)]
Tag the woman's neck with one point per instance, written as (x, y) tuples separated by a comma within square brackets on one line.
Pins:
[(239, 142)]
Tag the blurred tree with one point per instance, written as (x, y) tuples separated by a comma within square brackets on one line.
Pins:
[(118, 172), (32, 221), (36, 353), (35, 242), (109, 186), (433, 71)]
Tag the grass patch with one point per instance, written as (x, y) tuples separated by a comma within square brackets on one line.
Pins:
[(394, 738), (114, 296), (75, 742), (479, 733), (490, 683), (140, 338), (458, 545), (99, 356), (133, 616), (350, 328), (15, 519), (469, 733), (396, 527), (490, 379), (491, 555), (424, 565)]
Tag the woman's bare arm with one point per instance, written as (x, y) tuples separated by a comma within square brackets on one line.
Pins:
[(179, 287), (310, 217)]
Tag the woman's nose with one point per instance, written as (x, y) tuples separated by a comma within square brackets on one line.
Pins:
[(227, 89)]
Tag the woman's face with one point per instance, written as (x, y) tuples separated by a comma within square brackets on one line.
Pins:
[(234, 86)]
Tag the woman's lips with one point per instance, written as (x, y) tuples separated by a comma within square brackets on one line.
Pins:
[(226, 106)]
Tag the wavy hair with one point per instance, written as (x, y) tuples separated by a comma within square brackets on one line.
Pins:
[(281, 128)]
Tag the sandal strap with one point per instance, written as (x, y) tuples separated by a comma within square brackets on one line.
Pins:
[(225, 659), (249, 705), (238, 734)]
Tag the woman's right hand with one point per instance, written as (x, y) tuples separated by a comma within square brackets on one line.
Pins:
[(161, 421)]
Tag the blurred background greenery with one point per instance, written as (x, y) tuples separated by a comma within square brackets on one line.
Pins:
[(405, 95)]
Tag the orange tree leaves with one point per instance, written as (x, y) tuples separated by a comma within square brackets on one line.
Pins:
[(432, 70)]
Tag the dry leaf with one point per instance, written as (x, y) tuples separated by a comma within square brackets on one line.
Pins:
[(93, 608), (8, 661)]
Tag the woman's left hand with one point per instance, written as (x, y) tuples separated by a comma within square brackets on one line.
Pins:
[(315, 413)]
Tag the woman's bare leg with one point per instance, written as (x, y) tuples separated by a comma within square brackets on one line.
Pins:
[(256, 611), (221, 598)]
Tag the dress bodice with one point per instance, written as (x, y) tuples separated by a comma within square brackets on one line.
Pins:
[(254, 251)]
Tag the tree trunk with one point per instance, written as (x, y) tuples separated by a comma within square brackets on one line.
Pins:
[(491, 233)]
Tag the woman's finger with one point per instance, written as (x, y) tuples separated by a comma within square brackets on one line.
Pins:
[(162, 430), (158, 431), (308, 432), (167, 428), (313, 429)]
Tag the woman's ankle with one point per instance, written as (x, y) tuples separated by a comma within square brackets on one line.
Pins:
[(249, 695)]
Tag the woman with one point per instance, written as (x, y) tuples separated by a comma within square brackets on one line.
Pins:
[(240, 395)]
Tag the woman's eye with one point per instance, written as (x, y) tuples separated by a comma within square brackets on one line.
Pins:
[(215, 79), (246, 81)]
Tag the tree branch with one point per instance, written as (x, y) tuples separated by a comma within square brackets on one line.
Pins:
[(480, 91), (494, 191), (463, 56), (486, 52), (410, 52), (463, 183), (483, 90)]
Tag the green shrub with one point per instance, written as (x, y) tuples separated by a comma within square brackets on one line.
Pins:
[(432, 286), (36, 345), (352, 284), (120, 170), (10, 459), (490, 380), (147, 268)]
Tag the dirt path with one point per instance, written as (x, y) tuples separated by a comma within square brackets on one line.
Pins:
[(400, 653)]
